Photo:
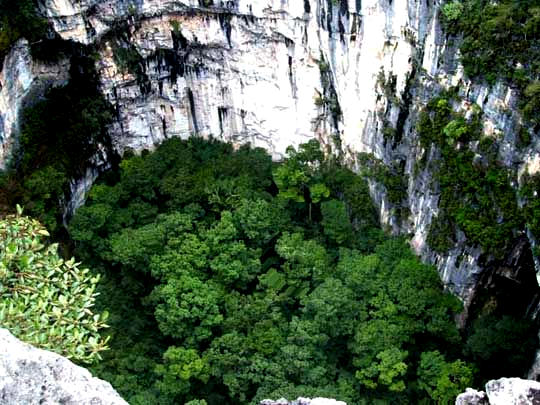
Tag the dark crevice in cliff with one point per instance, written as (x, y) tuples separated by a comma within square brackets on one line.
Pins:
[(191, 101), (63, 134), (329, 97), (405, 106), (307, 6), (225, 24), (508, 286), (344, 8), (222, 115)]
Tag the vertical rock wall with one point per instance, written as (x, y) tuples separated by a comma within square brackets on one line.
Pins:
[(22, 81)]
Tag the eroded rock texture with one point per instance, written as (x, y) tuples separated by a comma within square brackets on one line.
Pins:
[(504, 391), (33, 376)]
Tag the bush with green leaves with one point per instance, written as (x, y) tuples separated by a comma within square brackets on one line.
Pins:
[(45, 300)]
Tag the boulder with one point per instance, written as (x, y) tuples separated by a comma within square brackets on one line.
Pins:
[(504, 391), (33, 376)]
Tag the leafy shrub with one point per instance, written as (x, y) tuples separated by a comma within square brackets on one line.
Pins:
[(45, 300), (495, 338)]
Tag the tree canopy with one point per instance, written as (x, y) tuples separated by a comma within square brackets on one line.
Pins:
[(230, 279)]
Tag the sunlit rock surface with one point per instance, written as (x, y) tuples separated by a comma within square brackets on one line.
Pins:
[(505, 391), (33, 376)]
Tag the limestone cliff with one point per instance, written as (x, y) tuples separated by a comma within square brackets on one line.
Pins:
[(279, 72)]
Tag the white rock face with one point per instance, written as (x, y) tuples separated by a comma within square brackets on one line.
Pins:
[(251, 68), (20, 76), (33, 376), (472, 397), (513, 391), (505, 391)]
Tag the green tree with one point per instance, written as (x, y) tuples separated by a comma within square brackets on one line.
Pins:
[(45, 300), (336, 224), (452, 11), (299, 178), (180, 367), (219, 293), (493, 337), (442, 380)]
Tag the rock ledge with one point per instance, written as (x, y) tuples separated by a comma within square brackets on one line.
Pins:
[(33, 376)]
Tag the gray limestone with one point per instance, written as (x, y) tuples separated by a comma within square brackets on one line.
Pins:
[(33, 376), (504, 391)]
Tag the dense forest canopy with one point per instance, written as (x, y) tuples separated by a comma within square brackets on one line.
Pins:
[(230, 278)]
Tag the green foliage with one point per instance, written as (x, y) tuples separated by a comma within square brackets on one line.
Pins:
[(19, 18), (59, 135), (45, 300), (390, 177), (180, 366), (476, 197), (500, 40), (401, 303), (336, 224), (126, 57), (531, 103), (493, 338), (442, 380), (299, 178), (452, 11), (529, 191), (244, 295)]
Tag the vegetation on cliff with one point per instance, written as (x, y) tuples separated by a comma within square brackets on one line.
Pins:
[(59, 135), (499, 40)]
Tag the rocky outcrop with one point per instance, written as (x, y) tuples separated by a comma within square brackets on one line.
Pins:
[(505, 391), (472, 397), (303, 401), (33, 376), (23, 80)]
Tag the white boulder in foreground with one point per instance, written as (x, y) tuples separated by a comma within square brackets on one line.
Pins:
[(504, 391), (33, 376)]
